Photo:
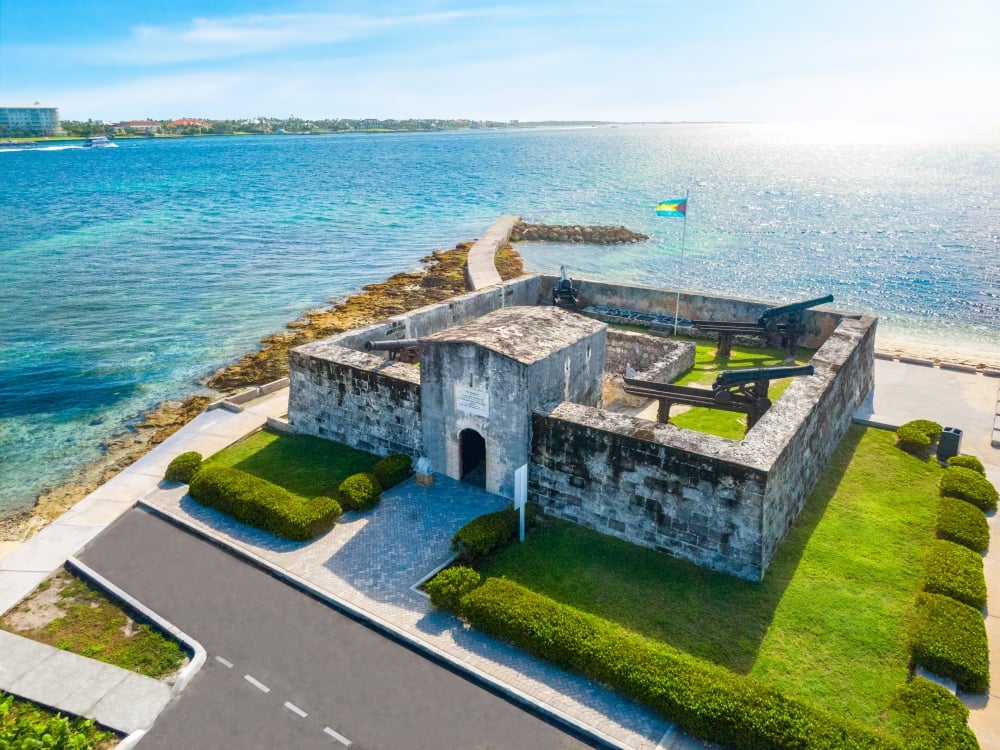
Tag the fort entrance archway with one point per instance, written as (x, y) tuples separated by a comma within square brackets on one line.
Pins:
[(472, 457)]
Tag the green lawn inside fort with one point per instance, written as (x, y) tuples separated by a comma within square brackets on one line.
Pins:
[(829, 624), (707, 366), (306, 466)]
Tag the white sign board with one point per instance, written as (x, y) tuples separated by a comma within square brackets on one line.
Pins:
[(520, 487), (472, 400)]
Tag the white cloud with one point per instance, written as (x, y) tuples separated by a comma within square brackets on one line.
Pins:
[(220, 38)]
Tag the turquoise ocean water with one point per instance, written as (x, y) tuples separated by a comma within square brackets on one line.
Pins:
[(128, 273)]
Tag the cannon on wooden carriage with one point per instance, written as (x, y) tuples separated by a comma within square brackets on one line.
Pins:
[(744, 390), (564, 291), (781, 325), (400, 350)]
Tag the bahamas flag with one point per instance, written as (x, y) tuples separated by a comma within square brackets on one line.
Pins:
[(676, 207)]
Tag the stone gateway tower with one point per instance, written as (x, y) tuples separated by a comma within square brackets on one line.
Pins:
[(481, 381)]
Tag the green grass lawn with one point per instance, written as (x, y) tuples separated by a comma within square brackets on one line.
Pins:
[(728, 424), (829, 622), (305, 466)]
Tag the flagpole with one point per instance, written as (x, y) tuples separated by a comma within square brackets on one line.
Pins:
[(680, 270)]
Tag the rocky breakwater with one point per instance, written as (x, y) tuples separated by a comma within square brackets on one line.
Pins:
[(594, 235)]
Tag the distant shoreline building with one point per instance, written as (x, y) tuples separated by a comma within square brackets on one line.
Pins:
[(29, 119)]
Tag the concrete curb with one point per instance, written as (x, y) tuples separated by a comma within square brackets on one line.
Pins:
[(876, 425), (132, 740), (198, 655), (391, 631)]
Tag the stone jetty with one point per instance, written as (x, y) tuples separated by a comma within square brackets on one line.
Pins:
[(595, 235)]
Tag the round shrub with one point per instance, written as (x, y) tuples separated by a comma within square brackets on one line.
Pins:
[(949, 639), (449, 586), (962, 523), (392, 470), (916, 437), (360, 492), (969, 485), (183, 467), (968, 462)]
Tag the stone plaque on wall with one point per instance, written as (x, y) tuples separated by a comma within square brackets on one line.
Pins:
[(472, 400)]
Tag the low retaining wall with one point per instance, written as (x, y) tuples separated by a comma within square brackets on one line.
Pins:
[(653, 358)]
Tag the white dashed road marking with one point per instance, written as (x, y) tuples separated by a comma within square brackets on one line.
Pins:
[(224, 662), (295, 709), (337, 736), (257, 684)]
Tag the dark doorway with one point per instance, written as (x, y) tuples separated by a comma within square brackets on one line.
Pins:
[(472, 457)]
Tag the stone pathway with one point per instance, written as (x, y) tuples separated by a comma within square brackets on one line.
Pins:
[(372, 560)]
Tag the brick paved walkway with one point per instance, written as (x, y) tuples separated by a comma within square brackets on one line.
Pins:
[(372, 560)]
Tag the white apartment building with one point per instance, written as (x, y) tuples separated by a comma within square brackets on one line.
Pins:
[(33, 119)]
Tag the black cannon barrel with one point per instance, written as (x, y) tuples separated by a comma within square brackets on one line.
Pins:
[(390, 345), (774, 312), (752, 374)]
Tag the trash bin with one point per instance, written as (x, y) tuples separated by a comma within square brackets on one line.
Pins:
[(423, 471), (949, 444)]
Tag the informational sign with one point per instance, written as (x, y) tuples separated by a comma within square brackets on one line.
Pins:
[(521, 493), (472, 400)]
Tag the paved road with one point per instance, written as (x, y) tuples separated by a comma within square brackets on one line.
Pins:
[(353, 684)]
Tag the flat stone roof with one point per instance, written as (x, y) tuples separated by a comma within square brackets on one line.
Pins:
[(525, 334)]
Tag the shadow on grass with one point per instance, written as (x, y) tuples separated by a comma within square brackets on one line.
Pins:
[(706, 614)]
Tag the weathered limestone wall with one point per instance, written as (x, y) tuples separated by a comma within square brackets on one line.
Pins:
[(810, 419), (654, 358), (355, 398), (424, 321), (648, 484), (819, 323)]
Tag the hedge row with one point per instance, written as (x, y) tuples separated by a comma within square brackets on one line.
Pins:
[(953, 570), (483, 534), (969, 485), (949, 639), (929, 717), (392, 470), (183, 467), (707, 701), (262, 504), (962, 523)]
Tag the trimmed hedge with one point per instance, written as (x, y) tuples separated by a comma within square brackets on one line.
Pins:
[(929, 717), (448, 587), (968, 462), (183, 467), (949, 639), (705, 700), (953, 570), (969, 485), (917, 436), (391, 470), (483, 534), (259, 503), (360, 492), (962, 523)]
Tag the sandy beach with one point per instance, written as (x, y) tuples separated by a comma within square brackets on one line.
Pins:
[(440, 277)]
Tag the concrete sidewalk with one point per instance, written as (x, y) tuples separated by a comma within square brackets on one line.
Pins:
[(115, 697)]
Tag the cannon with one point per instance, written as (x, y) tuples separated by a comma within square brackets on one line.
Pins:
[(744, 391), (783, 323), (403, 350), (564, 292)]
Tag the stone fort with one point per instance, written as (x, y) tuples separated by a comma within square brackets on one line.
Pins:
[(504, 379)]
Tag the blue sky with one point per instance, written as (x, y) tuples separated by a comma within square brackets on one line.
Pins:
[(760, 60)]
